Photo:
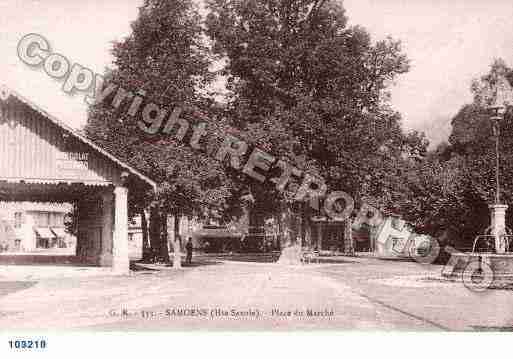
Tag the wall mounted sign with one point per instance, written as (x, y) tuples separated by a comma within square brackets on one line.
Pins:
[(73, 161)]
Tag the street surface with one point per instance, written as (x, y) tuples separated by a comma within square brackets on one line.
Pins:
[(220, 294)]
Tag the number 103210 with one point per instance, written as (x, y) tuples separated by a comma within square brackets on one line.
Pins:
[(27, 344)]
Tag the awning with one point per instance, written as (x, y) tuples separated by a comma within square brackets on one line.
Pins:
[(59, 232), (44, 232)]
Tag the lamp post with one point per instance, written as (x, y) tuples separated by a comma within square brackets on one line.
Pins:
[(502, 94), (496, 117)]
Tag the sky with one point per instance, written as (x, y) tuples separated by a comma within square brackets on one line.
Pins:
[(448, 42)]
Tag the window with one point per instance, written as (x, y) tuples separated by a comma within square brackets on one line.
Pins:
[(42, 219), (18, 219), (55, 219), (398, 224), (130, 237)]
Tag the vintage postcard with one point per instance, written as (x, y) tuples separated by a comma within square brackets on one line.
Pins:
[(255, 165)]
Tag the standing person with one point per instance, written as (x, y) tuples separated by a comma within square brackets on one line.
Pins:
[(188, 248)]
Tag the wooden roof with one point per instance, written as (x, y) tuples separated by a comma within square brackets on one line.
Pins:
[(6, 94)]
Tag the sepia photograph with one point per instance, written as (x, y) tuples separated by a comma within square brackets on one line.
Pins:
[(270, 166)]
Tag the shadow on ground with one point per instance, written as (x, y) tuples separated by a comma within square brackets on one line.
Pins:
[(155, 267), (242, 257), (481, 328), (273, 257), (34, 259), (8, 287)]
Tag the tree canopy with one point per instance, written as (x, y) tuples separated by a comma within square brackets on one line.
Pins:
[(301, 85), (314, 91), (165, 57)]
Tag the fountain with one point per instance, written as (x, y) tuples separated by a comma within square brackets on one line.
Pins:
[(491, 254)]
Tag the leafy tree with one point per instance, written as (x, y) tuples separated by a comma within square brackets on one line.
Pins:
[(165, 57), (450, 190), (312, 91), (473, 141)]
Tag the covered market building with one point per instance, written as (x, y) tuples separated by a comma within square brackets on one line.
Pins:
[(43, 160)]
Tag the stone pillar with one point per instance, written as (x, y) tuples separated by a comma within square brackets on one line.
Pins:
[(498, 226), (107, 229), (120, 261), (29, 242)]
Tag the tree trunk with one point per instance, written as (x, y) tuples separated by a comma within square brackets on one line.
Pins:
[(164, 248), (286, 227), (318, 245), (146, 249), (308, 238), (348, 237), (154, 231), (295, 224), (158, 235), (279, 234), (290, 248), (305, 224), (291, 227), (256, 229), (177, 252), (176, 228)]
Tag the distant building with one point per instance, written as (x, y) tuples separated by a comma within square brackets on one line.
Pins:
[(33, 226), (135, 237), (186, 228), (392, 238)]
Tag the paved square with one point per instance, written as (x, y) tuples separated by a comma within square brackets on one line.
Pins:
[(220, 294)]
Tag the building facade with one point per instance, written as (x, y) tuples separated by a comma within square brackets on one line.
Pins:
[(32, 227), (44, 161)]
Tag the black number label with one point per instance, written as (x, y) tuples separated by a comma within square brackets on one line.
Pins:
[(27, 344)]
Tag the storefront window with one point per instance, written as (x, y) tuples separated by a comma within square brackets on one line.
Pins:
[(18, 219)]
